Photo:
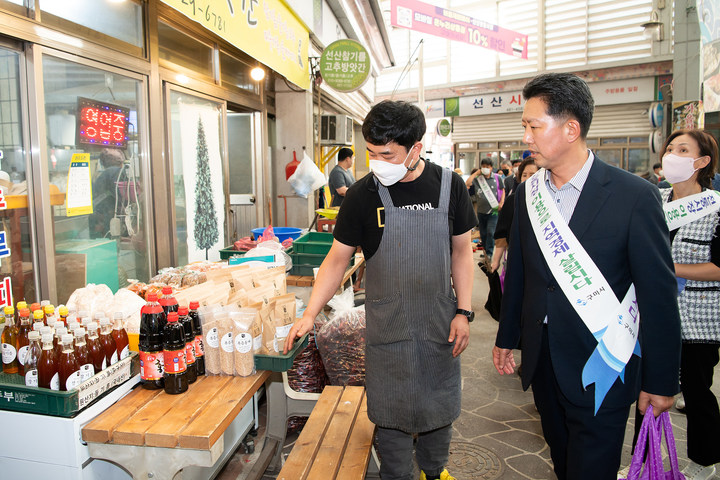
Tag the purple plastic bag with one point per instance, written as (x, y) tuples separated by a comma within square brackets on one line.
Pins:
[(650, 440)]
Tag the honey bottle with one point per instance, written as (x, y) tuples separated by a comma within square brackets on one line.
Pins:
[(120, 337), (64, 313), (95, 350), (107, 342), (68, 367), (47, 366), (22, 340), (82, 354), (9, 342)]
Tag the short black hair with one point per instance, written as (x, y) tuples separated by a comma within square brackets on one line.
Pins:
[(486, 161), (565, 95), (345, 153), (394, 121), (657, 165), (516, 161)]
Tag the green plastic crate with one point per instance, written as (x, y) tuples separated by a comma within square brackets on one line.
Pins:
[(280, 362), (308, 258), (14, 395), (302, 270), (228, 252), (314, 242)]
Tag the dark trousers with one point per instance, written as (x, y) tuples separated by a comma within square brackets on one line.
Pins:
[(582, 445), (395, 448), (697, 364), (486, 225)]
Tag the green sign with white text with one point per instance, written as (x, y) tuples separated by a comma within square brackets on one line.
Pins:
[(345, 65), (444, 128)]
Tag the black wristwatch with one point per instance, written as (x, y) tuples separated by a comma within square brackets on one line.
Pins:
[(468, 313)]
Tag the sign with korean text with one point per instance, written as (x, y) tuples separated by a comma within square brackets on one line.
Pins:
[(501, 102), (267, 30), (3, 201), (441, 22), (6, 298), (101, 123), (345, 65), (79, 186), (444, 128)]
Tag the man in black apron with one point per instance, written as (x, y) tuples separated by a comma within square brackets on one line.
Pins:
[(413, 220)]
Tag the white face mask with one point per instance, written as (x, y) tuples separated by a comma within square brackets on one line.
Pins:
[(486, 171), (676, 168), (389, 173), (515, 170)]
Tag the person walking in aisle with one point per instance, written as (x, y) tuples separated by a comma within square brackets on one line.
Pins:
[(413, 221), (689, 164), (589, 251), (341, 178), (490, 196)]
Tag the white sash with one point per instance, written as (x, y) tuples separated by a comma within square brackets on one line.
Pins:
[(679, 213), (614, 324), (491, 198)]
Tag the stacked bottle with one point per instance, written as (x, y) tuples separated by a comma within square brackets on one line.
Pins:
[(32, 359), (68, 367), (47, 365), (175, 372), (120, 337), (9, 342), (189, 333), (82, 353), (95, 350), (150, 343), (199, 345)]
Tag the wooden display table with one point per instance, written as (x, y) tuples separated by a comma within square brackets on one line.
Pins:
[(154, 435)]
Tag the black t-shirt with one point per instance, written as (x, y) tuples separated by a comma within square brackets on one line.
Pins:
[(362, 213), (505, 218)]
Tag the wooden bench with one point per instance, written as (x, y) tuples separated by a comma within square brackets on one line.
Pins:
[(336, 441), (154, 435)]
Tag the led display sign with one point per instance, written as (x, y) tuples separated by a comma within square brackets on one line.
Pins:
[(102, 123)]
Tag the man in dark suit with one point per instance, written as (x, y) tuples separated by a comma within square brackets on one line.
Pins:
[(618, 220)]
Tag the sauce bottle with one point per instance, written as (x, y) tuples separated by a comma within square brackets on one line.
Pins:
[(85, 364), (57, 344), (107, 342), (95, 350), (37, 325), (167, 301), (47, 366), (189, 333), (22, 340), (32, 358), (199, 345), (120, 336), (35, 306), (49, 314), (20, 305), (150, 344), (9, 342), (68, 367), (175, 374), (64, 312)]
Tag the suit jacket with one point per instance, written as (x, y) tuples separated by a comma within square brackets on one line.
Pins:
[(619, 221)]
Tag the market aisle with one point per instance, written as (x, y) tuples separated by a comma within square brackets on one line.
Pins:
[(498, 434)]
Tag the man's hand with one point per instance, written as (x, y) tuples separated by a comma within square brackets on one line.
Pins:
[(659, 403), (300, 328), (459, 333), (503, 360)]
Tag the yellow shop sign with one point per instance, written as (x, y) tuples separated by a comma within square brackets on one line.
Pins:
[(267, 30)]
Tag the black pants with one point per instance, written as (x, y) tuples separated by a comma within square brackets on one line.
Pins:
[(697, 365), (582, 445), (396, 449)]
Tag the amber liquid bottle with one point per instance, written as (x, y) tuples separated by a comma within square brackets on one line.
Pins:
[(189, 333), (168, 302), (150, 344), (95, 350), (59, 332), (120, 336), (63, 312), (82, 354), (107, 342), (47, 366), (199, 345), (23, 341), (175, 371), (9, 342), (68, 367)]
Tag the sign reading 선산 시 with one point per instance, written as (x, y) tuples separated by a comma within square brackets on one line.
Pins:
[(345, 65), (267, 30)]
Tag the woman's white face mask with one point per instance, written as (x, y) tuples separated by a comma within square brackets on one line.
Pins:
[(389, 173)]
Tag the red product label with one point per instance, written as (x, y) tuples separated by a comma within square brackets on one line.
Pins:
[(190, 352), (199, 346), (175, 361), (151, 365)]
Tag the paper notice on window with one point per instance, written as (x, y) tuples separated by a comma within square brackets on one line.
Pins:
[(79, 186)]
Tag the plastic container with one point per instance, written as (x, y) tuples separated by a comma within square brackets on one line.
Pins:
[(230, 251), (283, 233), (313, 242), (280, 362)]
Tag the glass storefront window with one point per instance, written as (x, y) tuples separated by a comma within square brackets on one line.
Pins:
[(110, 244), (611, 156), (185, 51), (17, 249), (121, 20), (234, 73), (198, 180), (467, 161), (639, 160)]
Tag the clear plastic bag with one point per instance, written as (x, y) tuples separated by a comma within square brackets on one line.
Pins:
[(341, 341), (307, 177)]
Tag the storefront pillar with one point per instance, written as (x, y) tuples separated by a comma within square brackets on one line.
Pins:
[(294, 115), (687, 67)]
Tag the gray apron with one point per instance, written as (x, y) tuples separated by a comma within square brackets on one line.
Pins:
[(412, 379)]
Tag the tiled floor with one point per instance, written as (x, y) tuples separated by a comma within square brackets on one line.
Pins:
[(498, 434)]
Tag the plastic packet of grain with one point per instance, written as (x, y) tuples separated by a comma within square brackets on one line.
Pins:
[(227, 345), (212, 341), (243, 355), (261, 294), (272, 276), (284, 308), (256, 327), (267, 313)]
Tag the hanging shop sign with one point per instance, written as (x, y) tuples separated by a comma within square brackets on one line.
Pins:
[(345, 65), (444, 128), (79, 186), (102, 123), (688, 115), (267, 30), (441, 22)]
